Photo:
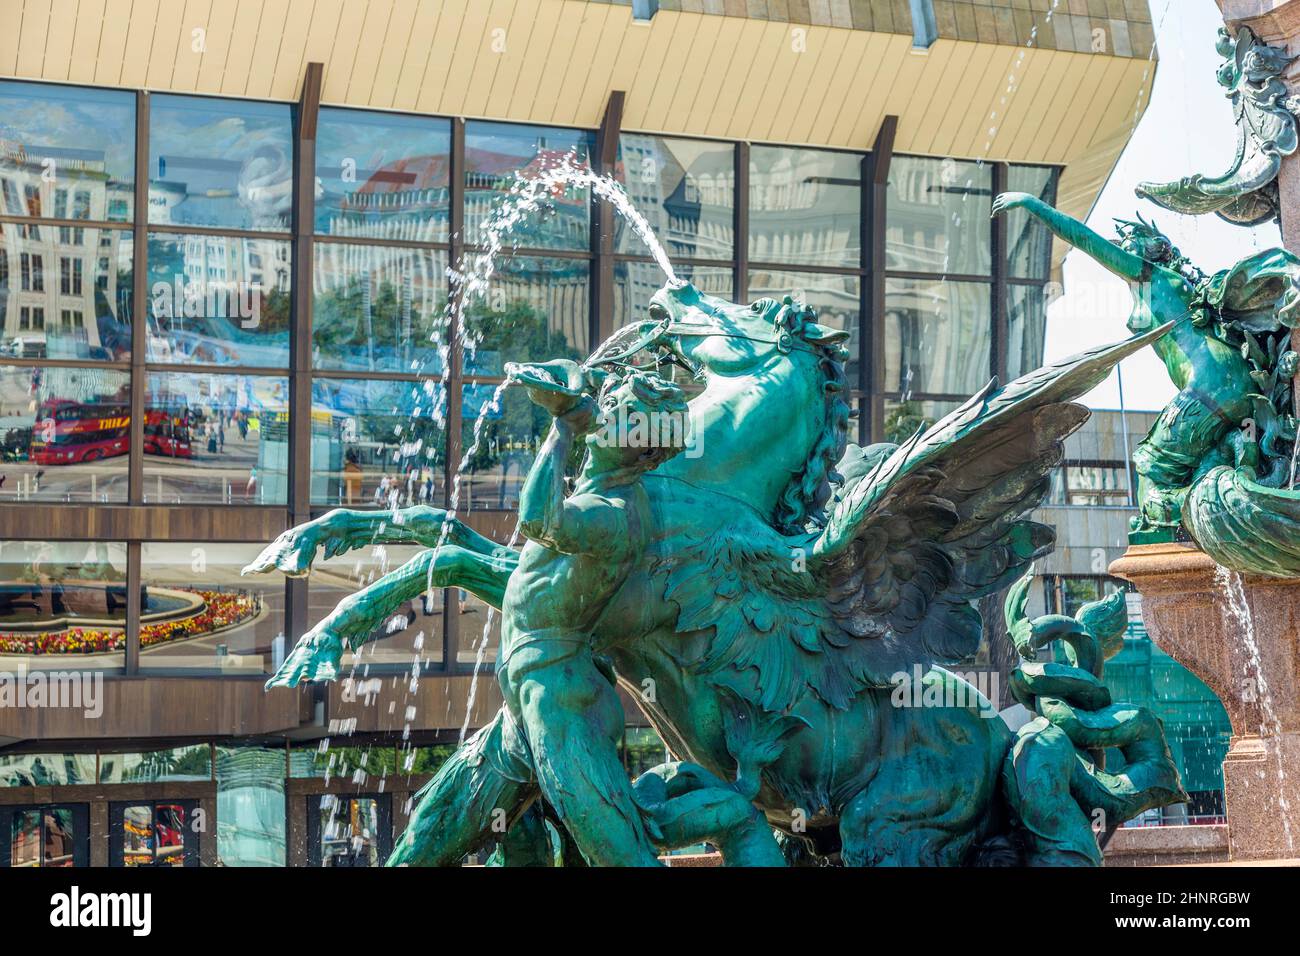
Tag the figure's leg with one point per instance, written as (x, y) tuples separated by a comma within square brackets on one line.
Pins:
[(572, 718), (358, 616), (480, 792), (343, 530)]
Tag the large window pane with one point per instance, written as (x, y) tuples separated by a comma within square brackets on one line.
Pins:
[(377, 443), (46, 770), (412, 634), (65, 292), (805, 206), (217, 620), (904, 418), (937, 219), (66, 152), (686, 189), (63, 605), (937, 336), (250, 806), (63, 434), (495, 152), (508, 435), (535, 310), (216, 439), (480, 629), (383, 175), (216, 300), (219, 162), (836, 299), (1026, 328), (1029, 242), (636, 282), (378, 308), (188, 763)]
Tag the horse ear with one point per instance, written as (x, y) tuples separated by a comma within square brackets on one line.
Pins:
[(819, 334)]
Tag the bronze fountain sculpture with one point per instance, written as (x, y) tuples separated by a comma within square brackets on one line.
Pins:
[(773, 591)]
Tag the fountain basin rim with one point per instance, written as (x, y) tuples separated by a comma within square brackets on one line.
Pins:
[(1165, 566)]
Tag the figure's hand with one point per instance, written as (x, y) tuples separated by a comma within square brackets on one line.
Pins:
[(1007, 201), (291, 553), (316, 656), (558, 386)]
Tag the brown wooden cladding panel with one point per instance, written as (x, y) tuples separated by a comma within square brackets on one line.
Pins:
[(39, 521), (169, 707)]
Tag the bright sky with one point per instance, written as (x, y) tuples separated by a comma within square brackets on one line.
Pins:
[(1186, 129)]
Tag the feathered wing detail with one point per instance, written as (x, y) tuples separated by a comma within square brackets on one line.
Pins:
[(1243, 524), (940, 522), (918, 532)]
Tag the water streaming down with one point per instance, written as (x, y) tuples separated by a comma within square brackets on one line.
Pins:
[(1238, 609)]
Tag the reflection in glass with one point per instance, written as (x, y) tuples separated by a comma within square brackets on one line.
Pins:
[(378, 308), (327, 761), (1029, 242), (937, 218), (42, 836), (66, 152), (377, 444), (805, 206), (1026, 328), (216, 438), (218, 300), (63, 602), (686, 189), (510, 432), (46, 770), (350, 831), (412, 635), (220, 162), (193, 762), (137, 836), (480, 629), (642, 750), (382, 175), (65, 292), (904, 418), (64, 434), (222, 622), (495, 152), (836, 299), (636, 282), (534, 311), (250, 806), (936, 336)]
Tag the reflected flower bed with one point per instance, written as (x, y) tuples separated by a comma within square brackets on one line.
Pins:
[(221, 610)]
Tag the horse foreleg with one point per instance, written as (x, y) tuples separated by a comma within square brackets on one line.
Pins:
[(357, 618), (343, 530)]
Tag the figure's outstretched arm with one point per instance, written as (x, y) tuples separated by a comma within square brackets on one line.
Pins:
[(357, 618), (343, 530), (1110, 256)]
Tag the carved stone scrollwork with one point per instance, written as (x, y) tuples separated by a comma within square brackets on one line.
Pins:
[(1265, 116)]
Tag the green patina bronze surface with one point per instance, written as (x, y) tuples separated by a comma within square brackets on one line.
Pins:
[(1220, 460), (1246, 194), (778, 601)]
